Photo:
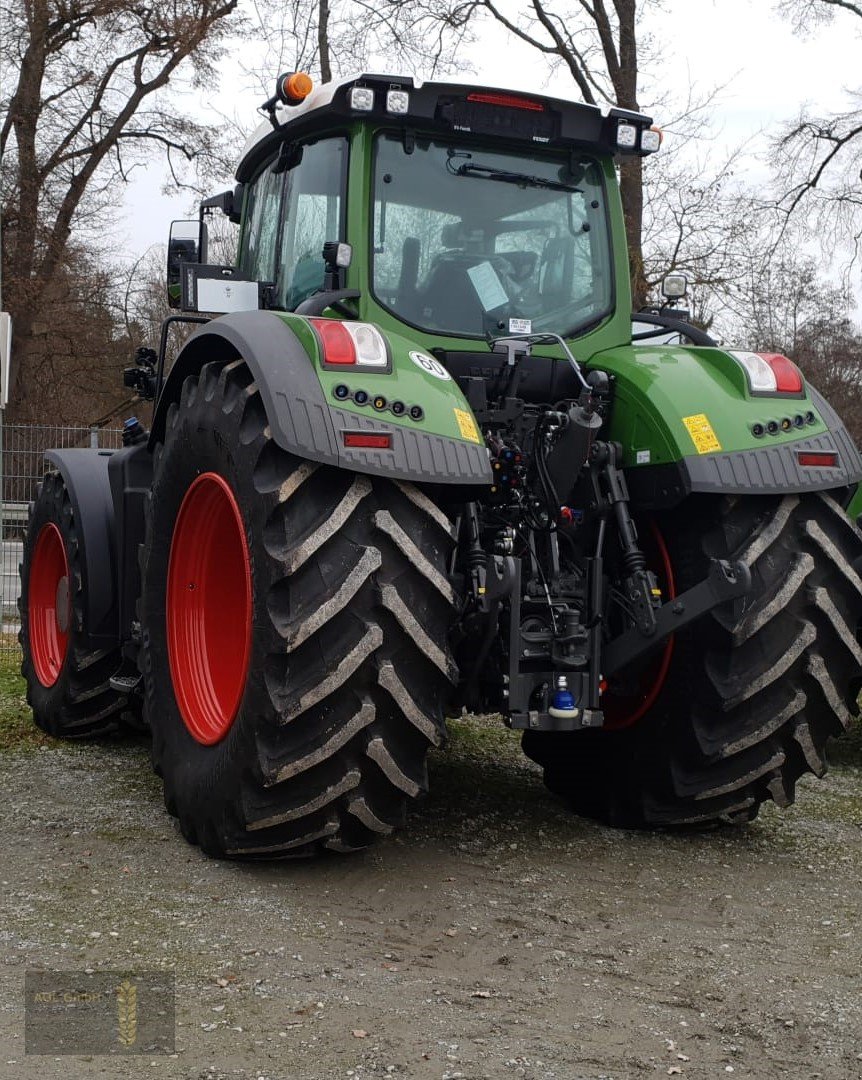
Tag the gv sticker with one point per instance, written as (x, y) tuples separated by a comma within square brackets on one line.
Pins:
[(429, 364)]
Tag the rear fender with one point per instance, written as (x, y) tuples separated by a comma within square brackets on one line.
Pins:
[(686, 420), (85, 474), (281, 352)]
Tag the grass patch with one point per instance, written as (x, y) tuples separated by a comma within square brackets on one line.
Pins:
[(17, 730), (484, 736), (483, 762), (848, 749)]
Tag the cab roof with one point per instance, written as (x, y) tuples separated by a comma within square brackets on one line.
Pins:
[(462, 108)]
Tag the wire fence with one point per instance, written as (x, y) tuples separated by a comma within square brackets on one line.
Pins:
[(22, 466)]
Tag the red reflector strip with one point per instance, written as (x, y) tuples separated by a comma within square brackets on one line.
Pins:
[(338, 347), (366, 441), (817, 461), (507, 101)]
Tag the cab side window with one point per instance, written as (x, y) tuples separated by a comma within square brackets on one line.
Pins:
[(260, 236), (291, 215), (313, 214)]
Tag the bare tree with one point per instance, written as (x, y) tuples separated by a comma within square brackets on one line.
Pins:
[(780, 297), (698, 216), (817, 156), (139, 297), (77, 352), (81, 107), (829, 351), (331, 38)]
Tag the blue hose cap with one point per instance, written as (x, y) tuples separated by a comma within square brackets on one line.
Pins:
[(563, 700)]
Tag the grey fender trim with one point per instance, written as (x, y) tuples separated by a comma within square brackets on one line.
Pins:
[(85, 474), (774, 470), (770, 469), (301, 419), (292, 397), (847, 449)]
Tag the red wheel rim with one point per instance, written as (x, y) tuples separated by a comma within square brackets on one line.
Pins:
[(208, 612), (623, 712), (49, 606)]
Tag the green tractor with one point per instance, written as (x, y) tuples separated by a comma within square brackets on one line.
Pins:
[(411, 460)]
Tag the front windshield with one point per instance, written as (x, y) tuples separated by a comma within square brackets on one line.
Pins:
[(470, 241)]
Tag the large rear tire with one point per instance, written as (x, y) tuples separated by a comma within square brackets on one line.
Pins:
[(67, 679), (295, 623), (752, 692)]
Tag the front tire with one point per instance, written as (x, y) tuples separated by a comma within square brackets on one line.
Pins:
[(67, 678), (753, 691), (292, 710)]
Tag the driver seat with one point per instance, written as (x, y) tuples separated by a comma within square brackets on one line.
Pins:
[(556, 271), (449, 299)]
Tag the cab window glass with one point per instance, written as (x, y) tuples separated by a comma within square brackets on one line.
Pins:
[(313, 214), (259, 240), (291, 215), (471, 241)]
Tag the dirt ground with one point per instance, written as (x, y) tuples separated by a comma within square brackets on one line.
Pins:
[(496, 937)]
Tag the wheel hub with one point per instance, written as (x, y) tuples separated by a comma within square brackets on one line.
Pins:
[(209, 609), (49, 607)]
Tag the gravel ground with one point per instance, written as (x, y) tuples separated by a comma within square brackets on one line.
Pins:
[(495, 937)]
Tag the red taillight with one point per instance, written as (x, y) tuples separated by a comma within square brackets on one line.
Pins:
[(817, 460), (788, 379), (363, 440), (508, 101), (338, 347)]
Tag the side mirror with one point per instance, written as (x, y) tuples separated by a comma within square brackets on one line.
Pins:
[(187, 244)]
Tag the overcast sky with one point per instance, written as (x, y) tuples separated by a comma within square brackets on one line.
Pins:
[(768, 74)]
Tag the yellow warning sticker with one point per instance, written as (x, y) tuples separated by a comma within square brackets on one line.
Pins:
[(467, 425), (704, 438)]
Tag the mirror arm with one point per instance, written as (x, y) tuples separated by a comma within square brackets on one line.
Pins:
[(203, 235), (229, 202), (163, 344)]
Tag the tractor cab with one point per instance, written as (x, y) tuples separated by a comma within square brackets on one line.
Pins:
[(465, 214)]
